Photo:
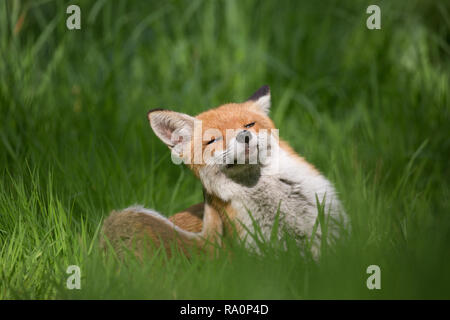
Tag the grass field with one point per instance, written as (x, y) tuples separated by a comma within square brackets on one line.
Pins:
[(369, 108)]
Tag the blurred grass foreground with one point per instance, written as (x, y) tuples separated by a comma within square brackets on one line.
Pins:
[(369, 108)]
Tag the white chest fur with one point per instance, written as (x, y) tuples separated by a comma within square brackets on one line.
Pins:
[(287, 187)]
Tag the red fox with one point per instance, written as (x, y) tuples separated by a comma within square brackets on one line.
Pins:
[(249, 177)]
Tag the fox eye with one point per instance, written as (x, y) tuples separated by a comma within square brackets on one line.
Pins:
[(249, 125), (214, 140)]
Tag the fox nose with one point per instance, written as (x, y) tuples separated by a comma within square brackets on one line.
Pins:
[(244, 136)]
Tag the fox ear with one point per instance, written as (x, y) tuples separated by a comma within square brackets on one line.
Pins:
[(262, 98), (173, 128)]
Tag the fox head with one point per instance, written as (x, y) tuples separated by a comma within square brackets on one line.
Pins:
[(227, 142)]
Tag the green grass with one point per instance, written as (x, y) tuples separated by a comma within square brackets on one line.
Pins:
[(369, 108)]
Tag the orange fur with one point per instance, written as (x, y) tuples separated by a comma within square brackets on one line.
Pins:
[(228, 117), (190, 219)]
